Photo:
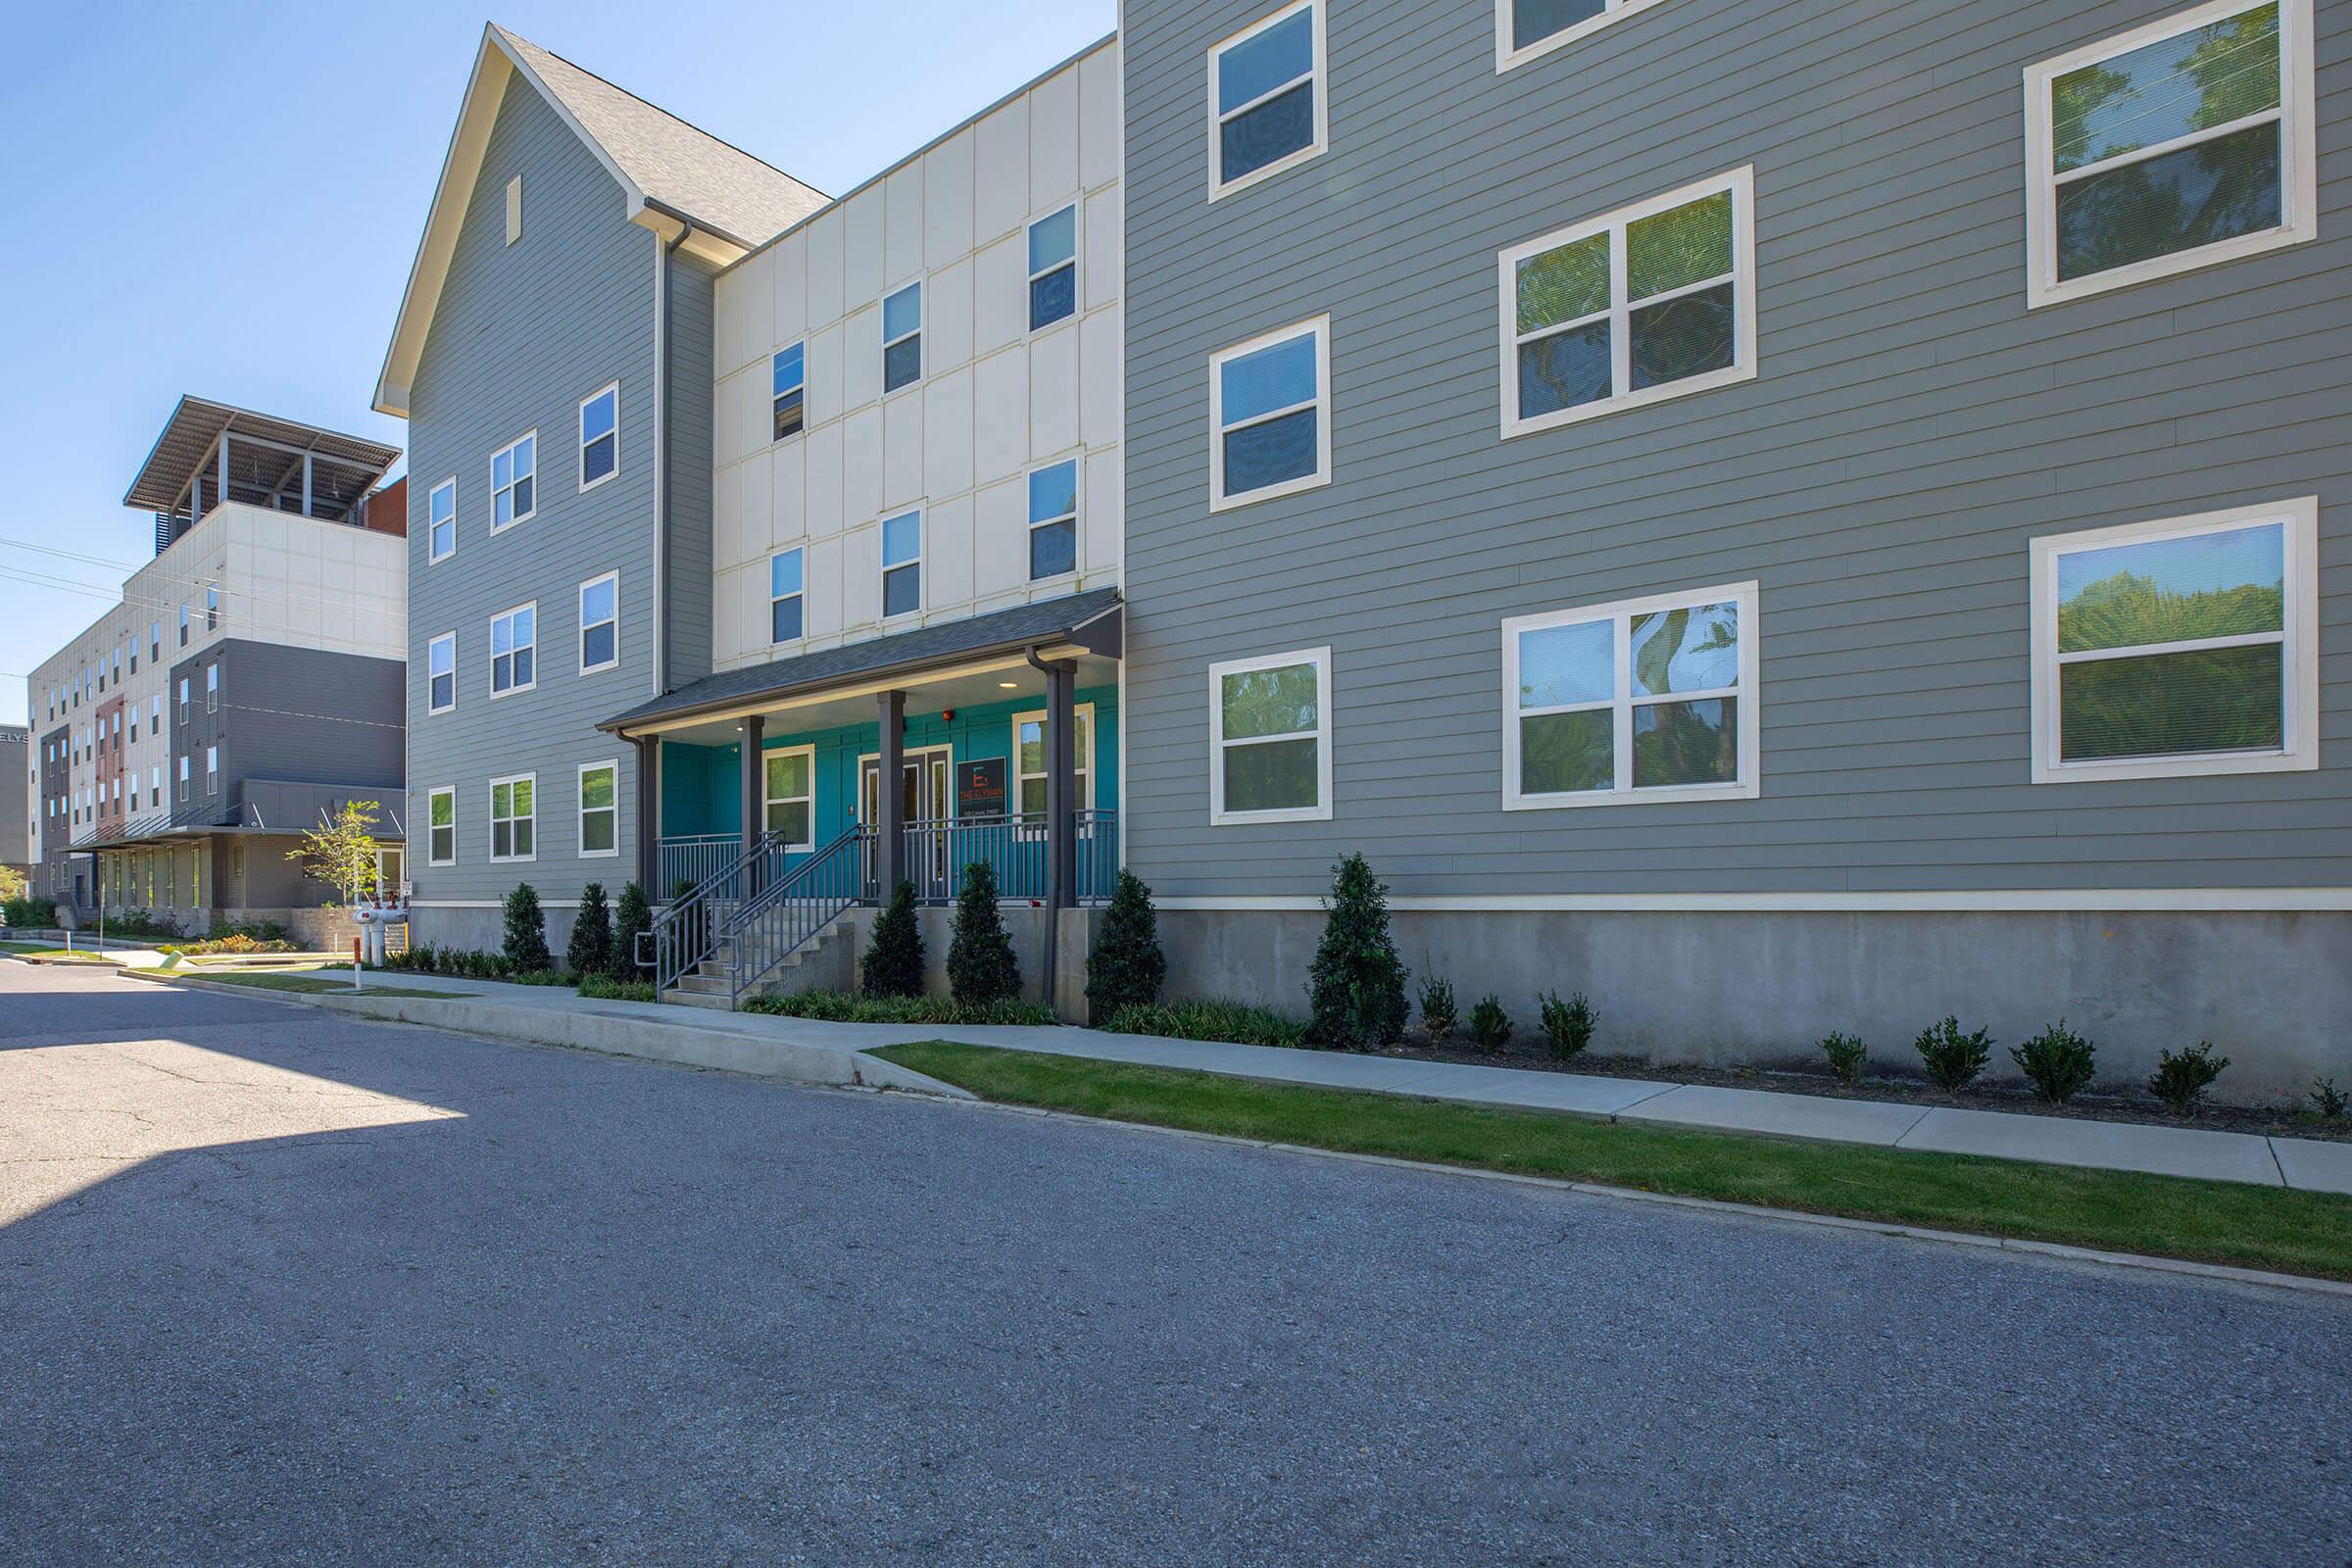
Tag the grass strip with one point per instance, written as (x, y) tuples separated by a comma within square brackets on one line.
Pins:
[(313, 982), (2286, 1229)]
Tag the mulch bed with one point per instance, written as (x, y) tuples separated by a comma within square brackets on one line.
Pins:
[(2106, 1103)]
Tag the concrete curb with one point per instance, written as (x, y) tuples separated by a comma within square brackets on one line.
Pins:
[(2222, 1272), (694, 1045)]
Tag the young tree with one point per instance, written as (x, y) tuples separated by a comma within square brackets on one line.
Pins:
[(893, 963), (1126, 969), (341, 852), (981, 967), (634, 915), (13, 885), (527, 931), (590, 949), (1355, 989)]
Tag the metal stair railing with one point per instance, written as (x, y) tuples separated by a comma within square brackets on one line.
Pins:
[(793, 909), (687, 930)]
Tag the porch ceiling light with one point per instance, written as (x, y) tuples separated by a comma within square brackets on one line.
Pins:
[(1010, 685)]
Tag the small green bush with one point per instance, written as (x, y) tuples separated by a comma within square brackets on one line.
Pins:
[(1234, 1022), (1567, 1025), (2331, 1103), (2181, 1077), (604, 988), (1847, 1056), (1355, 987), (1126, 969), (29, 913), (545, 977), (1951, 1058), (224, 928), (527, 931), (1489, 1025), (839, 1006), (981, 966), (239, 943), (893, 962), (633, 918), (1437, 1016), (2058, 1062), (590, 949)]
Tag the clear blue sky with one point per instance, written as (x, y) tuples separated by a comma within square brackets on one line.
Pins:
[(225, 200)]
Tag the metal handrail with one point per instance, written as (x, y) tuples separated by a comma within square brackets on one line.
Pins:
[(685, 932), (793, 909)]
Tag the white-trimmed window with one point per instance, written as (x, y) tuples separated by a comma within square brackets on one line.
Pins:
[(183, 699), (789, 377), (441, 817), (600, 435), (600, 623), (441, 673), (1269, 739), (1053, 269), (441, 520), (600, 811), (901, 564), (211, 771), (515, 481), (513, 650), (1266, 98), (790, 780), (903, 337), (212, 688), (1053, 521), (183, 626), (2177, 145), (212, 609), (1029, 759), (1270, 415), (1641, 699), (2179, 647), (1527, 28), (514, 816), (1652, 301), (787, 596)]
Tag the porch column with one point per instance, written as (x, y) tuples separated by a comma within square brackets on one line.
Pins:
[(648, 817), (1061, 785), (754, 796), (890, 823)]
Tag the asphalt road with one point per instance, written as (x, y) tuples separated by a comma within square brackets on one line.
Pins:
[(279, 1289)]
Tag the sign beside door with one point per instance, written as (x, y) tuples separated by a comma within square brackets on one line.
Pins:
[(980, 788)]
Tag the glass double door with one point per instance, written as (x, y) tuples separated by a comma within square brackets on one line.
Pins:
[(926, 804)]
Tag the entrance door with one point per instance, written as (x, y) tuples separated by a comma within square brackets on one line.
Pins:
[(926, 806)]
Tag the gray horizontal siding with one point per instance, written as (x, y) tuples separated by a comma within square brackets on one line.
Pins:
[(522, 334), (1911, 428)]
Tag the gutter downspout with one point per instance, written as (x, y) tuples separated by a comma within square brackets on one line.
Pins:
[(1058, 810), (649, 769)]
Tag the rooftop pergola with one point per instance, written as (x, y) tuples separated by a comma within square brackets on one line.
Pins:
[(210, 453)]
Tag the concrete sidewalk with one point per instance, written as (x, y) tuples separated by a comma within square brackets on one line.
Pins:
[(811, 1051)]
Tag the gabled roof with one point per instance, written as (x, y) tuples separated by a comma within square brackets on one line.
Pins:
[(671, 176)]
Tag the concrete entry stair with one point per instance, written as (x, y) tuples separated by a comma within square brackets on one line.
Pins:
[(824, 961)]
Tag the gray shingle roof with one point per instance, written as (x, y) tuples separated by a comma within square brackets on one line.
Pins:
[(722, 187), (911, 651)]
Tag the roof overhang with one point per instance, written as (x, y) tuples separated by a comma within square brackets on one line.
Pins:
[(494, 64), (1080, 625), (197, 425)]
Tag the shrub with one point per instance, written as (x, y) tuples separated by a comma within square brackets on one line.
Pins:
[(981, 967), (634, 915), (2331, 1103), (1438, 1016), (2181, 1077), (30, 911), (1489, 1025), (236, 942), (1567, 1025), (1846, 1054), (1355, 989), (839, 1006), (604, 988), (545, 977), (1126, 969), (590, 949), (2057, 1062), (224, 928), (893, 963), (139, 923), (1234, 1022), (527, 931), (1951, 1058)]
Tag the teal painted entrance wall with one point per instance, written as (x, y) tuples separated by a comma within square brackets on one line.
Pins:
[(702, 789)]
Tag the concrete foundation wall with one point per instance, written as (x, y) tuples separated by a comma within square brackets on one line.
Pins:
[(2272, 991), (483, 930), (1026, 925)]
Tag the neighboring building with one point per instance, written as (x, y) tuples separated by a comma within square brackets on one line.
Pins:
[(551, 356), (19, 788), (246, 685), (1642, 475)]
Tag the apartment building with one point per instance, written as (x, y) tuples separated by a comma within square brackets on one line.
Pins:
[(20, 783), (734, 501), (245, 685), (1782, 519)]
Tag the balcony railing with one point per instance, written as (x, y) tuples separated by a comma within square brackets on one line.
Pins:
[(694, 859)]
